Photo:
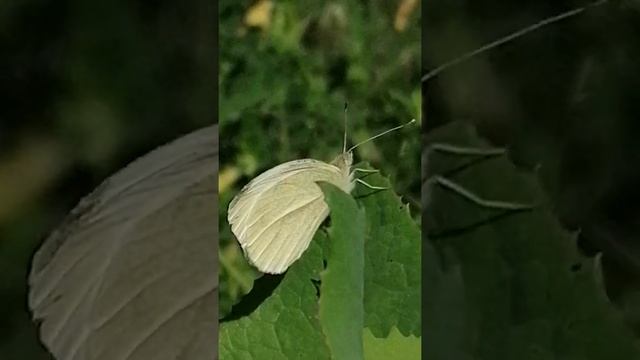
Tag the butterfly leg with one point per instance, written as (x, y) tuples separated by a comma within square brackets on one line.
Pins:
[(465, 150), (371, 186), (478, 154), (459, 189), (491, 204), (366, 171)]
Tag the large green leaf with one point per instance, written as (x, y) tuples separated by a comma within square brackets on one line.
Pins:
[(392, 261), (278, 318), (512, 283), (394, 346), (342, 291)]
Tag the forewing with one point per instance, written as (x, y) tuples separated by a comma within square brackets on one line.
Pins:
[(276, 215)]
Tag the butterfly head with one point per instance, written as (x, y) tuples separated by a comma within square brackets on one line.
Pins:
[(344, 161)]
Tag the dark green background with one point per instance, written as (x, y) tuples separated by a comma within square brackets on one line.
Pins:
[(85, 88), (564, 98)]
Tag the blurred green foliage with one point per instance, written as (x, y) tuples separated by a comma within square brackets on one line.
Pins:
[(85, 88), (564, 100), (283, 83), (508, 284)]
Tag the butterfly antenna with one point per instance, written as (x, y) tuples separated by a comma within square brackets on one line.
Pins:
[(344, 143), (519, 33), (382, 133)]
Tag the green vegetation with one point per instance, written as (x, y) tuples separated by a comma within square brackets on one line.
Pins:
[(283, 84), (282, 91)]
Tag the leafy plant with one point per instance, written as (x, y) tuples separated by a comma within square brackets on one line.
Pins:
[(286, 70), (370, 287), (284, 78)]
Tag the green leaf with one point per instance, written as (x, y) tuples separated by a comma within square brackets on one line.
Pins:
[(395, 346), (279, 323), (342, 291), (392, 261), (521, 289)]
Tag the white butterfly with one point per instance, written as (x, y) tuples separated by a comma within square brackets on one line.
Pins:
[(275, 216)]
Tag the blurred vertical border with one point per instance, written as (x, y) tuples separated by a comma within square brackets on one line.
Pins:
[(85, 88), (563, 99)]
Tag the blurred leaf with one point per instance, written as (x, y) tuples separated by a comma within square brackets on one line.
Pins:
[(519, 286), (259, 14), (27, 172), (228, 176), (444, 307), (405, 9)]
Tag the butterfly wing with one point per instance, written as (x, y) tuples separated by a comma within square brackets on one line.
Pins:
[(276, 215), (132, 272)]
